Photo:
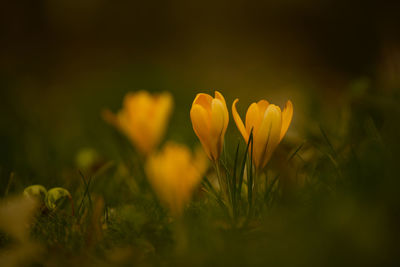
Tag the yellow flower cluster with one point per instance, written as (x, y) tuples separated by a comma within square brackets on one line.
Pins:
[(174, 172), (269, 125)]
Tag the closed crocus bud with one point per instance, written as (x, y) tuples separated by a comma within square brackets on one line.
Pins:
[(269, 125), (174, 173), (143, 119), (210, 119)]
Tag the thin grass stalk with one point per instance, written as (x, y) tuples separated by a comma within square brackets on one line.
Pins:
[(239, 190), (250, 182), (206, 183), (234, 184)]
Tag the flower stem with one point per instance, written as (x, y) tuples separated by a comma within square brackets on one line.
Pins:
[(222, 185)]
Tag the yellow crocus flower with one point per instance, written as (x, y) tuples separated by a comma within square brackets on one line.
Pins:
[(269, 125), (210, 119), (143, 119), (174, 173)]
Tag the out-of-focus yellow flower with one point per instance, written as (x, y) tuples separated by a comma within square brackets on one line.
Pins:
[(16, 214), (143, 118), (269, 125), (210, 119), (174, 173)]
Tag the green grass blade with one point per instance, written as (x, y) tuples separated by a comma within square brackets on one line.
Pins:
[(243, 166), (86, 192), (234, 182), (250, 180), (328, 141), (207, 184)]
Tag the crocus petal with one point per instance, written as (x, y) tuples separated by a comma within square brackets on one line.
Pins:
[(165, 170), (203, 100), (262, 106), (160, 113), (261, 136), (253, 118), (238, 121), (270, 129), (200, 122), (140, 117), (217, 126), (217, 117), (214, 119), (143, 119), (219, 96), (136, 102), (287, 115), (161, 109)]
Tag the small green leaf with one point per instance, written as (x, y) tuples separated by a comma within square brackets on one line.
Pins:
[(57, 198), (38, 192)]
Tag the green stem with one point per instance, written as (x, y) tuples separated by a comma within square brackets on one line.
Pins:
[(254, 192), (223, 186), (256, 186), (217, 170)]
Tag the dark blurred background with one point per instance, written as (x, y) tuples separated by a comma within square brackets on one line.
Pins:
[(63, 61)]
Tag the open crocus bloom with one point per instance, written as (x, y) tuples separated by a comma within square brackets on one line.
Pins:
[(174, 173), (210, 119), (143, 119), (269, 125)]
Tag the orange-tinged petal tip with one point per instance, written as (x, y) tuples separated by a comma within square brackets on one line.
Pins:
[(262, 105), (203, 100), (219, 96), (287, 115), (238, 120)]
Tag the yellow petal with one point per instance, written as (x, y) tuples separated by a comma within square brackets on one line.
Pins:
[(203, 100), (217, 116), (217, 127), (219, 96), (138, 120), (158, 116), (143, 118), (262, 106), (134, 102), (268, 134), (238, 121), (200, 121), (161, 110), (253, 118), (287, 115), (165, 171), (126, 126)]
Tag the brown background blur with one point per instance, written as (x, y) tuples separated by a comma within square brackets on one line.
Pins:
[(63, 61), (229, 44)]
